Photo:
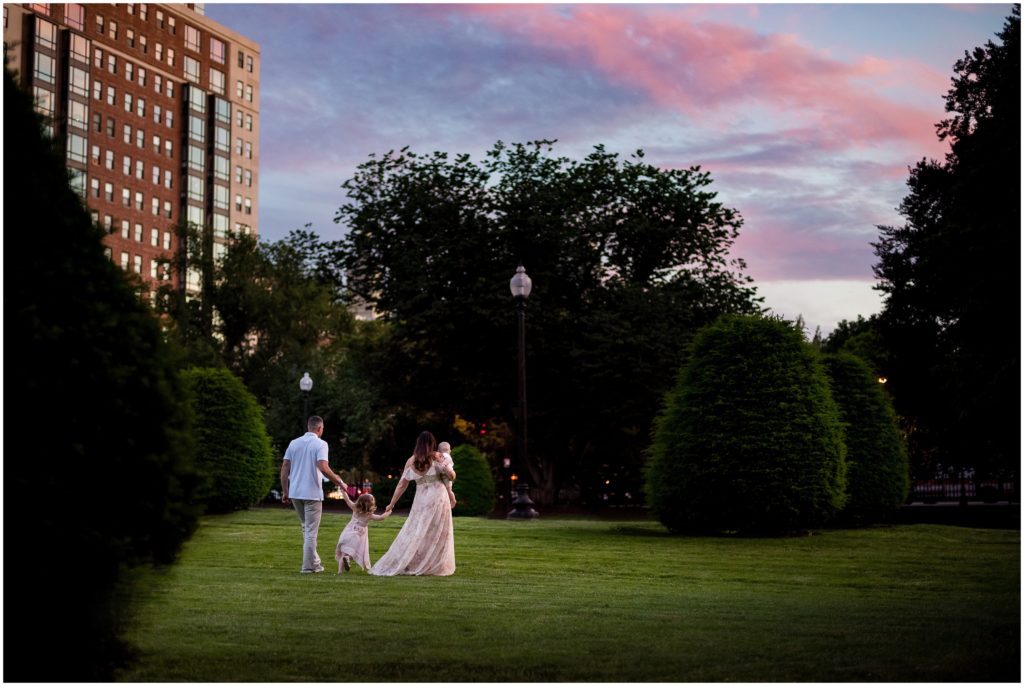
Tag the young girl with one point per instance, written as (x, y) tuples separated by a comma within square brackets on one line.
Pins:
[(354, 543)]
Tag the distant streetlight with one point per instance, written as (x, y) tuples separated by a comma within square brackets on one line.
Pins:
[(305, 385), (521, 285), (883, 379)]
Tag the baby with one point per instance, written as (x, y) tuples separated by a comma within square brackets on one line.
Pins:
[(354, 542), (446, 453)]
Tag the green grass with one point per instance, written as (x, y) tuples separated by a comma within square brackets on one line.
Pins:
[(583, 600)]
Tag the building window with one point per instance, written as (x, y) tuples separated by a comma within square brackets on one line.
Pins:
[(239, 122), (197, 100), (124, 261), (249, 64), (248, 205), (46, 34), (95, 156), (99, 23), (128, 134), (143, 11), (196, 158), (74, 16), (217, 81), (223, 139), (126, 197), (238, 175), (192, 39), (97, 122), (108, 192), (110, 126), (140, 202), (130, 37), (79, 48), (131, 7), (248, 122), (97, 90), (126, 165), (156, 175), (169, 118), (172, 25), (220, 197), (138, 233), (238, 146), (144, 45), (142, 77), (159, 52), (167, 240), (156, 207), (97, 58), (94, 186), (170, 57), (196, 188), (248, 150), (222, 109), (239, 86), (140, 107), (129, 71), (78, 81), (78, 114), (158, 83), (152, 267), (221, 168), (78, 148), (191, 69), (140, 173), (108, 161), (238, 203), (158, 115), (169, 148), (77, 181), (218, 50), (44, 68), (197, 129), (112, 63), (159, 19), (170, 88), (128, 105), (113, 30), (137, 261), (111, 96), (248, 93), (168, 179), (156, 145), (220, 222), (167, 208), (44, 100), (241, 57), (140, 139)]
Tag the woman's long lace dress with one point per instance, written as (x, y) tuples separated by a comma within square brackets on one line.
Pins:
[(425, 546)]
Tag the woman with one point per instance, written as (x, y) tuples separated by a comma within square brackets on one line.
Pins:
[(425, 546)]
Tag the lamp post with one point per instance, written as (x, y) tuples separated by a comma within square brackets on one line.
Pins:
[(305, 385), (521, 285)]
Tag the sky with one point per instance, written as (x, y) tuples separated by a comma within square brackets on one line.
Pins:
[(807, 116)]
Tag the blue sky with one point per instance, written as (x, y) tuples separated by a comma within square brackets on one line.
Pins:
[(806, 115)]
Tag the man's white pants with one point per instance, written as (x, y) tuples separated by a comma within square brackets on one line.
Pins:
[(309, 512)]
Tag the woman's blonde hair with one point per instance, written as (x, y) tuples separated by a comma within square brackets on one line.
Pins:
[(366, 503)]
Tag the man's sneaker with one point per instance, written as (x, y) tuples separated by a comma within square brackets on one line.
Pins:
[(313, 571)]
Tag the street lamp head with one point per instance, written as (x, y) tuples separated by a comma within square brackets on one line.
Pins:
[(521, 284), (306, 383)]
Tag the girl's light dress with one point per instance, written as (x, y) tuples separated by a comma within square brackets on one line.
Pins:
[(355, 541), (426, 545)]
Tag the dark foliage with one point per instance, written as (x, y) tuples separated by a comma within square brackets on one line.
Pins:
[(233, 453), (749, 439), (98, 450), (877, 477), (951, 276), (474, 483)]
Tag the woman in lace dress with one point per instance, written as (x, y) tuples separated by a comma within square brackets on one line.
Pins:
[(425, 546)]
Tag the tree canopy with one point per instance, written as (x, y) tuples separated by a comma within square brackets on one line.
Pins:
[(627, 261), (951, 275)]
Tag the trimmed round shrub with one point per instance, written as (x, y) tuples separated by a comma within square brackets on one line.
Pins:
[(233, 455), (474, 483), (749, 440), (877, 477)]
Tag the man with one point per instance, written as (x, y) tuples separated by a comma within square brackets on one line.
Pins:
[(304, 462)]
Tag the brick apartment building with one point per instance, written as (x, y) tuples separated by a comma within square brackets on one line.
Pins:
[(158, 110)]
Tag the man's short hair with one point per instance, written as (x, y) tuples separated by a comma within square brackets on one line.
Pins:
[(314, 423)]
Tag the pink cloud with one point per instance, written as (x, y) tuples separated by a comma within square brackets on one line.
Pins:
[(699, 68)]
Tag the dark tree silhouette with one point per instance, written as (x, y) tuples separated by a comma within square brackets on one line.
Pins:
[(951, 276)]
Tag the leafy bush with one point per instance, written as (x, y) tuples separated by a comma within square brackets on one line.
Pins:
[(749, 439), (877, 478), (474, 483), (233, 455), (95, 417)]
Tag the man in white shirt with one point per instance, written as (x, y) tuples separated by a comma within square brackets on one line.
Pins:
[(304, 463)]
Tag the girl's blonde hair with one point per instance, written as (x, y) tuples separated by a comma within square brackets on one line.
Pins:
[(366, 504)]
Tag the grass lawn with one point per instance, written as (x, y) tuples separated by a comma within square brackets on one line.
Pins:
[(566, 599)]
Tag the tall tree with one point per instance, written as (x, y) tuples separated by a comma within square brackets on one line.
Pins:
[(98, 450), (627, 260), (951, 275)]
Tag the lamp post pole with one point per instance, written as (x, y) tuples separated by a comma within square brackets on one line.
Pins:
[(305, 385), (521, 285)]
